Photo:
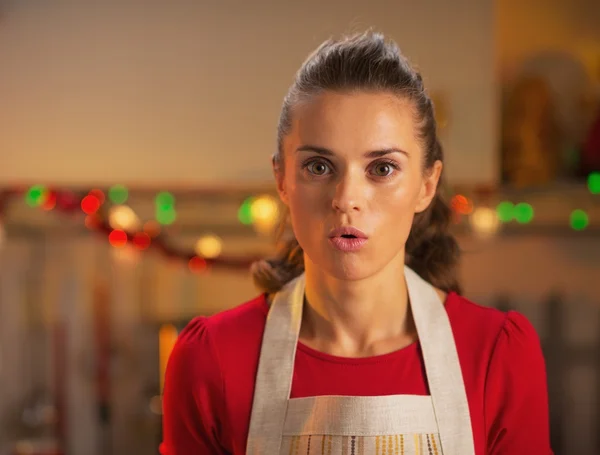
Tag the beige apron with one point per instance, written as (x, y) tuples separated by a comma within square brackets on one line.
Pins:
[(381, 425)]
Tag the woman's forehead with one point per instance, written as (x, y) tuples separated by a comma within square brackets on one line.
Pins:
[(354, 122)]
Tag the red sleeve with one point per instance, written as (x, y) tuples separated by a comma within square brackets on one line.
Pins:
[(516, 392), (193, 395)]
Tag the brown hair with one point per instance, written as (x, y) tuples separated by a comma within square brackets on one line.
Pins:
[(366, 62)]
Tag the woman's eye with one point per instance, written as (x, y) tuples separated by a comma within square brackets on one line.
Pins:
[(317, 168), (383, 169)]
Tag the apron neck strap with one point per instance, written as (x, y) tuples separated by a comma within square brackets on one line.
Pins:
[(278, 352)]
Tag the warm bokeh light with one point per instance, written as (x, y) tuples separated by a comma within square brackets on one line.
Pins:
[(485, 221), (209, 246), (123, 217), (264, 212)]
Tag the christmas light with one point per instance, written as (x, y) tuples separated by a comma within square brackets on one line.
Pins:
[(90, 204), (118, 194), (50, 201), (92, 221), (36, 195), (164, 200), (485, 221), (197, 264), (579, 220), (117, 238), (523, 213), (123, 217), (68, 202), (505, 211), (593, 182), (245, 211), (209, 246), (152, 228), (141, 240), (99, 194), (461, 204), (166, 217), (264, 211)]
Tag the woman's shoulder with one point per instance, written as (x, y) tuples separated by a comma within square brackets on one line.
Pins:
[(233, 323), (489, 331), (465, 314)]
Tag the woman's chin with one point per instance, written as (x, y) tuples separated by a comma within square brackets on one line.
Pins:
[(349, 271)]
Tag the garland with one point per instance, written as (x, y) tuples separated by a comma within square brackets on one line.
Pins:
[(92, 203)]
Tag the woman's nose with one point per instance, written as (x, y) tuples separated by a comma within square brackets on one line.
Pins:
[(349, 194)]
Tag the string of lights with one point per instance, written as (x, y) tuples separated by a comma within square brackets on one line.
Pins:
[(106, 212)]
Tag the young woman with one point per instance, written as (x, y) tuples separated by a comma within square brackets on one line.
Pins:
[(361, 342)]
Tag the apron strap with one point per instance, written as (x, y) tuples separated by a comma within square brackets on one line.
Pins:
[(442, 366), (278, 351), (275, 370)]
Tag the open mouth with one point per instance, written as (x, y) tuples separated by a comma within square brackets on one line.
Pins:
[(348, 236)]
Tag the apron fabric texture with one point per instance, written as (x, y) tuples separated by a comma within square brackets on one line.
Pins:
[(351, 425)]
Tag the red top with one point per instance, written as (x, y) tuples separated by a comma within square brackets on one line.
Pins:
[(211, 373)]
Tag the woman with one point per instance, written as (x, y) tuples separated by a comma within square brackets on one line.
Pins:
[(361, 343)]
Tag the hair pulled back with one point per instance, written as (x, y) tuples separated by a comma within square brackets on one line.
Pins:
[(367, 62)]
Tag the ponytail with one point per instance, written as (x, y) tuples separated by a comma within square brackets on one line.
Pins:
[(431, 250), (270, 275)]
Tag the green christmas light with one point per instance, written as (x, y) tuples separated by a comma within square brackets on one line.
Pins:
[(505, 211), (579, 220), (245, 211), (523, 213), (164, 201), (118, 194), (35, 195), (593, 182), (166, 216)]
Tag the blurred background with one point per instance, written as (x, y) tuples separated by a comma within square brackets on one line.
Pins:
[(135, 188)]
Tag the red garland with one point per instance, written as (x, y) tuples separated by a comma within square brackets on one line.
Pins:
[(68, 202)]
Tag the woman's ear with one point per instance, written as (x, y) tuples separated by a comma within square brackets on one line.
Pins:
[(429, 187), (279, 174)]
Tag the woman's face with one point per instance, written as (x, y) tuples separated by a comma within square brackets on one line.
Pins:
[(354, 161)]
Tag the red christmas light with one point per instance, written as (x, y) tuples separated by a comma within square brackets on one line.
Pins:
[(197, 264), (141, 240), (152, 228), (93, 221), (49, 201), (66, 201), (90, 204), (98, 194), (461, 204), (117, 238)]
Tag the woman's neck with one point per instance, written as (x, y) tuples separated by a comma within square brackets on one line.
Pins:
[(357, 318)]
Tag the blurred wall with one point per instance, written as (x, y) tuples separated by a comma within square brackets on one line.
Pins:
[(526, 28), (149, 92)]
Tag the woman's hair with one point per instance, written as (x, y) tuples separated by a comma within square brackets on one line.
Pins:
[(366, 62)]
